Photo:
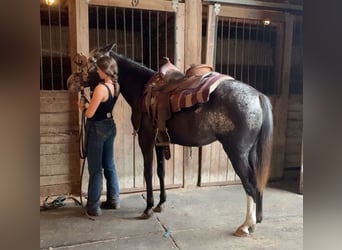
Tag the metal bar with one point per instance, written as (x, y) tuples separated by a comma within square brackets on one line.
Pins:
[(115, 29), (97, 27), (235, 48), (269, 90), (221, 52), (248, 54), (60, 44), (228, 50), (132, 34), (124, 27), (149, 38), (41, 61), (51, 63), (242, 49), (157, 14), (106, 25), (263, 60), (141, 38), (256, 58), (166, 35)]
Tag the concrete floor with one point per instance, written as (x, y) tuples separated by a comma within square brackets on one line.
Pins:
[(202, 218)]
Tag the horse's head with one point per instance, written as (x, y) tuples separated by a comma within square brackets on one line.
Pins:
[(87, 75)]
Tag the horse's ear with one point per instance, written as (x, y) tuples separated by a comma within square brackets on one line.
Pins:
[(109, 48)]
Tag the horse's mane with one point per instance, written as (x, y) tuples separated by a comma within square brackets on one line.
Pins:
[(128, 63)]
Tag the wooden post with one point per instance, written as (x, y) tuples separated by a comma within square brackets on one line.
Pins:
[(280, 117), (211, 34), (78, 43), (78, 29), (192, 55)]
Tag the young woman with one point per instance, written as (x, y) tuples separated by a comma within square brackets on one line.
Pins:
[(100, 134)]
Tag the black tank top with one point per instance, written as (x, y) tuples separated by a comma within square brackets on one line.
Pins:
[(104, 110)]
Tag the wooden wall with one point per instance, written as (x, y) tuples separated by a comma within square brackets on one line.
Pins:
[(294, 132), (189, 166), (59, 152)]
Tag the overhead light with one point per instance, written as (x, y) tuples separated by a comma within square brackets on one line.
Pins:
[(49, 2), (267, 22)]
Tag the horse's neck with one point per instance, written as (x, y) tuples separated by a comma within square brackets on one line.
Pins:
[(133, 78)]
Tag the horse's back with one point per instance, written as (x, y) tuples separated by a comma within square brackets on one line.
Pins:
[(233, 110)]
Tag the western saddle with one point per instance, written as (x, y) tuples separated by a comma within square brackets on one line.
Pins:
[(168, 81)]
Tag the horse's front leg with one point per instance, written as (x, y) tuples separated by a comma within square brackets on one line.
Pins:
[(146, 144), (249, 224), (161, 176), (149, 189)]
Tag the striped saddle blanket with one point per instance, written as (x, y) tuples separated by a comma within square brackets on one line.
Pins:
[(187, 93)]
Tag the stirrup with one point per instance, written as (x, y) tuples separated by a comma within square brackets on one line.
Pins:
[(162, 143)]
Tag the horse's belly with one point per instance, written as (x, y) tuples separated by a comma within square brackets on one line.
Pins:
[(190, 132)]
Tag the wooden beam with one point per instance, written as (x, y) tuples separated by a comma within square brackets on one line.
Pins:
[(193, 32), (192, 55), (262, 4), (78, 29), (254, 14), (159, 5)]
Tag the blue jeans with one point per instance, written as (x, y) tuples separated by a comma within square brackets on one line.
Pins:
[(99, 144)]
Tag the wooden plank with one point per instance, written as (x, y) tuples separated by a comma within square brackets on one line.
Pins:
[(63, 158), (58, 189), (59, 169), (50, 105), (57, 94), (251, 13), (297, 125), (123, 144), (58, 179), (205, 164), (63, 129), (58, 138), (178, 165), (49, 149), (55, 119), (296, 116), (159, 5)]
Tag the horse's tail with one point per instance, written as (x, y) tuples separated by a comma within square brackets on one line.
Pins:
[(264, 144)]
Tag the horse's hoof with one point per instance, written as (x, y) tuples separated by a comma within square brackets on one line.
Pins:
[(145, 216), (251, 229), (158, 209), (240, 233)]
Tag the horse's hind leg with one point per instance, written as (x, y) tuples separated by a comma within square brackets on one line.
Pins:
[(161, 176), (248, 226), (243, 170)]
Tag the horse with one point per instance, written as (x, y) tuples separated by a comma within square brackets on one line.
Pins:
[(236, 114)]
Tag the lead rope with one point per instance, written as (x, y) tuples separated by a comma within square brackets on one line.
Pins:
[(83, 151)]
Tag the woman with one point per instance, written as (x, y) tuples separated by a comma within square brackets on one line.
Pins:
[(100, 134)]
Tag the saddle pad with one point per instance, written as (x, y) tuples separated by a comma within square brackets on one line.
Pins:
[(188, 97)]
